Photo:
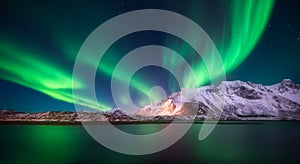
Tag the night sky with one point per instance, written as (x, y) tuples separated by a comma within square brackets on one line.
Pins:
[(258, 42)]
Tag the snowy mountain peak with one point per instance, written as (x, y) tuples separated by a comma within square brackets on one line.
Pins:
[(237, 100), (287, 85), (287, 81)]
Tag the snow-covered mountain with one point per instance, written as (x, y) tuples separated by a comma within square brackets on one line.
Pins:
[(232, 100)]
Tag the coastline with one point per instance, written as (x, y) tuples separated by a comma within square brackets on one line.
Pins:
[(76, 123)]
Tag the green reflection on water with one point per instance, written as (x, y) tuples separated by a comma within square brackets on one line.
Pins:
[(52, 145), (267, 142), (142, 129), (39, 144)]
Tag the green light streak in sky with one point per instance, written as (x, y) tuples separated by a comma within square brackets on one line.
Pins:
[(106, 67), (136, 83), (242, 29), (248, 20), (18, 66)]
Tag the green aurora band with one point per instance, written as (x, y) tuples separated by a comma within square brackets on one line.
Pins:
[(242, 29), (21, 67)]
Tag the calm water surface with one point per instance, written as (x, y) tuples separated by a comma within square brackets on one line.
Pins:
[(269, 141)]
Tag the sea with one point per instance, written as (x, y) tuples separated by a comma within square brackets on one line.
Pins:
[(251, 142)]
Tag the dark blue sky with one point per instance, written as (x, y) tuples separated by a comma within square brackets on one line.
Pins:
[(40, 26)]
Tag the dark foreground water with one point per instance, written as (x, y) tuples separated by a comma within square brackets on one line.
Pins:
[(276, 142)]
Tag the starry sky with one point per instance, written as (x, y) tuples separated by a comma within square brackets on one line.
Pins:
[(259, 41)]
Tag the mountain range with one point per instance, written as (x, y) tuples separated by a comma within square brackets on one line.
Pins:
[(230, 100), (235, 100)]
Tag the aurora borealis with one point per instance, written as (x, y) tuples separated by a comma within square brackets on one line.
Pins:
[(40, 40)]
